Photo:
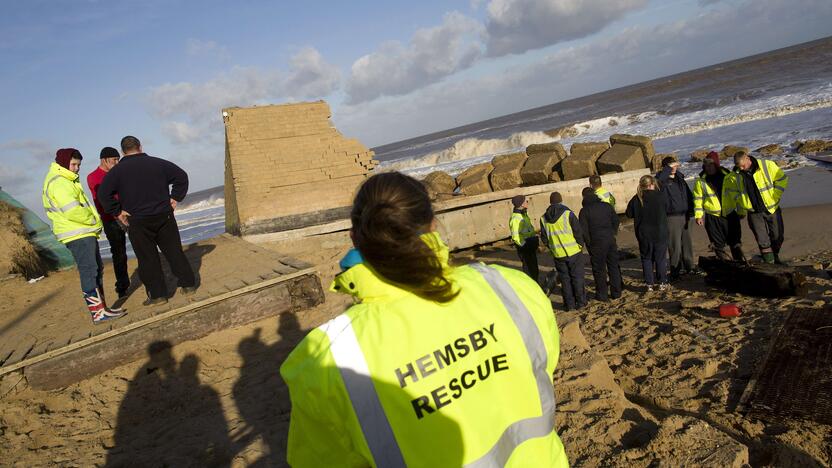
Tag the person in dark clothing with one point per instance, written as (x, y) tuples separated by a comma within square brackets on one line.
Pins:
[(599, 226), (679, 211), (116, 236), (524, 237), (561, 232), (723, 230), (649, 209), (145, 204)]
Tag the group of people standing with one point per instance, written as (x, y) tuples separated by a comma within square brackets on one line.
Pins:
[(133, 197), (662, 209)]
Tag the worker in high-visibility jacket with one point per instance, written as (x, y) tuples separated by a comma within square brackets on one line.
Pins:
[(435, 365), (524, 237), (723, 230), (561, 232), (755, 190), (76, 223), (602, 193)]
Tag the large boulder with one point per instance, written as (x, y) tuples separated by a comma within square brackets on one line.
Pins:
[(581, 160), (506, 173), (474, 180), (772, 149), (727, 153), (543, 160), (813, 146), (699, 155), (643, 142), (553, 147), (621, 157), (439, 184)]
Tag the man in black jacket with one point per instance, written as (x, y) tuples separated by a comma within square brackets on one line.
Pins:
[(679, 211), (599, 225), (145, 204)]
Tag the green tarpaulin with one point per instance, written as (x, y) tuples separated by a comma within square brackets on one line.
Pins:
[(40, 234)]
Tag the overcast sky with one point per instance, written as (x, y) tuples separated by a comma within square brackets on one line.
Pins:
[(84, 73)]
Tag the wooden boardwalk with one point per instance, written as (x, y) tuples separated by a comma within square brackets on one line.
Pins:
[(54, 342)]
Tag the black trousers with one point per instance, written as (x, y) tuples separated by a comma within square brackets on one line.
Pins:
[(723, 231), (680, 245), (571, 274), (604, 260), (148, 233), (117, 239), (768, 229), (528, 256)]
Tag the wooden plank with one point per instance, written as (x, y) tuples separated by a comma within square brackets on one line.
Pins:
[(78, 344), (97, 356)]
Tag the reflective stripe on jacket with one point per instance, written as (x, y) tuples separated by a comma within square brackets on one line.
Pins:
[(521, 228), (771, 181), (561, 239), (401, 381), (605, 196), (705, 199), (67, 206)]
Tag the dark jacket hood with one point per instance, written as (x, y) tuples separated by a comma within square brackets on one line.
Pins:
[(554, 212), (590, 199)]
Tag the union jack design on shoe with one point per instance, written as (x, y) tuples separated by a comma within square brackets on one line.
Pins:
[(98, 308)]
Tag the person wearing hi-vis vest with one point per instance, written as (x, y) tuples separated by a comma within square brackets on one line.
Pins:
[(723, 231), (76, 223), (523, 236), (602, 193), (435, 365), (561, 232), (756, 186)]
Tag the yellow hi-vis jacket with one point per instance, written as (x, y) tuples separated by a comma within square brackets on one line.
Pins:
[(559, 236), (521, 227), (771, 181), (67, 206), (398, 381), (605, 196), (705, 199)]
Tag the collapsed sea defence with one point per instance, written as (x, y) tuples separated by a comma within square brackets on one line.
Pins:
[(17, 254)]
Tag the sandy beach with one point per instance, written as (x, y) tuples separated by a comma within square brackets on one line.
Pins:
[(649, 378)]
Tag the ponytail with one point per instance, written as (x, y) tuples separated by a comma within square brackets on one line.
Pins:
[(390, 213)]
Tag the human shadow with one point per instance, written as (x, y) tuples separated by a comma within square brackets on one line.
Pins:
[(168, 418)]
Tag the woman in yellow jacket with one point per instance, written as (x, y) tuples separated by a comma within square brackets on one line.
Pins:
[(76, 223), (435, 365)]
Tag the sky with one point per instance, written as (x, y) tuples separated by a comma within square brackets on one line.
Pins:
[(85, 73)]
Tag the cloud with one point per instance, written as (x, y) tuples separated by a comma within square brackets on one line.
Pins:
[(516, 26), (310, 76), (432, 54), (180, 133), (23, 164), (205, 49)]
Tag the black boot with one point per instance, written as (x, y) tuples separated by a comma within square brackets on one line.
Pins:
[(737, 253)]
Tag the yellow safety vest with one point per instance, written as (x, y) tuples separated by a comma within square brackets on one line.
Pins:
[(605, 196), (521, 228), (705, 200), (67, 206), (401, 381), (771, 181), (562, 242)]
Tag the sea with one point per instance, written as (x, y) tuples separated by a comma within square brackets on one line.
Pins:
[(777, 97)]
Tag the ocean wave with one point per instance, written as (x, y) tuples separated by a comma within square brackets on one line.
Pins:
[(201, 205)]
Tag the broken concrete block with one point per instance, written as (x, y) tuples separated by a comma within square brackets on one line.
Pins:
[(555, 177), (643, 142), (506, 173), (538, 168), (699, 155), (553, 147), (813, 146), (619, 158), (475, 180), (439, 183), (581, 161)]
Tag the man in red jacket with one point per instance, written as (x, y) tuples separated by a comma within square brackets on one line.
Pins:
[(112, 228)]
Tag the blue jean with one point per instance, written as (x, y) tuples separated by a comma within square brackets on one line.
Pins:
[(653, 255), (88, 259)]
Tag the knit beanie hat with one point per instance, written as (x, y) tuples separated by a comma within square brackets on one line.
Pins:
[(64, 155), (713, 156), (518, 200), (109, 152)]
